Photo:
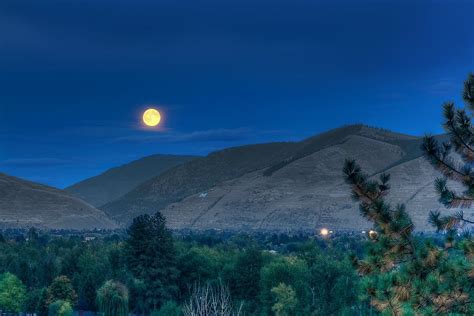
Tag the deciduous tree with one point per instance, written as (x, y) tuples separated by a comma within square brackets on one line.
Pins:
[(112, 299), (285, 300), (62, 289), (60, 308), (12, 293)]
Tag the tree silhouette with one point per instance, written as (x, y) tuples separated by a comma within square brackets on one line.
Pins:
[(151, 258)]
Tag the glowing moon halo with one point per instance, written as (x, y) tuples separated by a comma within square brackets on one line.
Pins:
[(151, 117)]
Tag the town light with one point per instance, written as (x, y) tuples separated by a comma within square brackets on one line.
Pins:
[(373, 234), (324, 232)]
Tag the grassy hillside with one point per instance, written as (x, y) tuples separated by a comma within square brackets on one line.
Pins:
[(24, 204), (201, 174), (284, 186), (196, 176)]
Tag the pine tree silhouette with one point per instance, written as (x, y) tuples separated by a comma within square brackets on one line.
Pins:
[(404, 274)]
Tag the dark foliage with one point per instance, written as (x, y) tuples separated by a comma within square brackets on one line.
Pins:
[(151, 258)]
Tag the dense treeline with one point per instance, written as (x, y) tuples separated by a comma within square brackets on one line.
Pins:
[(148, 271)]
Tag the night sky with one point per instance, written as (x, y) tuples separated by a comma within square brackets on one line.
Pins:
[(75, 75)]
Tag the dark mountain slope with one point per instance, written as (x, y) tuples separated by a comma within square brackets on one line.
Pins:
[(196, 176), (339, 135), (115, 182)]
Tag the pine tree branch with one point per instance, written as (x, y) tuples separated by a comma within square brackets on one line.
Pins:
[(467, 221), (449, 198), (454, 130), (458, 124), (446, 165), (468, 93), (364, 193), (460, 216), (463, 201)]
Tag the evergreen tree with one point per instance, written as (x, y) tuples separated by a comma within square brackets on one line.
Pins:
[(31, 302), (406, 275), (42, 303), (88, 292), (151, 258), (457, 167), (244, 282), (115, 258), (137, 291), (112, 299)]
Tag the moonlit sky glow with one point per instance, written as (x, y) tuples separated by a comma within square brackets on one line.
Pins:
[(77, 75)]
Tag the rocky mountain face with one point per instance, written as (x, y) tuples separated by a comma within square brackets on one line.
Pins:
[(25, 204), (285, 186), (115, 182)]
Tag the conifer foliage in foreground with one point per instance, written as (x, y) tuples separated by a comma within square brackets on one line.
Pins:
[(455, 160), (407, 275)]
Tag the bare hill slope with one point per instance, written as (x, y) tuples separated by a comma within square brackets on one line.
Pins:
[(306, 194), (284, 186), (115, 182), (25, 204), (195, 176)]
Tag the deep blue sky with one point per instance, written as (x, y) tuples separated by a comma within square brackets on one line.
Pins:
[(75, 75)]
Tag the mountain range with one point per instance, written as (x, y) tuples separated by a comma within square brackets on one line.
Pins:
[(285, 186)]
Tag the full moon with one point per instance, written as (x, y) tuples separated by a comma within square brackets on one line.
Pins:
[(151, 117)]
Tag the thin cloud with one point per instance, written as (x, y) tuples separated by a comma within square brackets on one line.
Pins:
[(443, 86), (33, 162), (392, 96), (215, 135)]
